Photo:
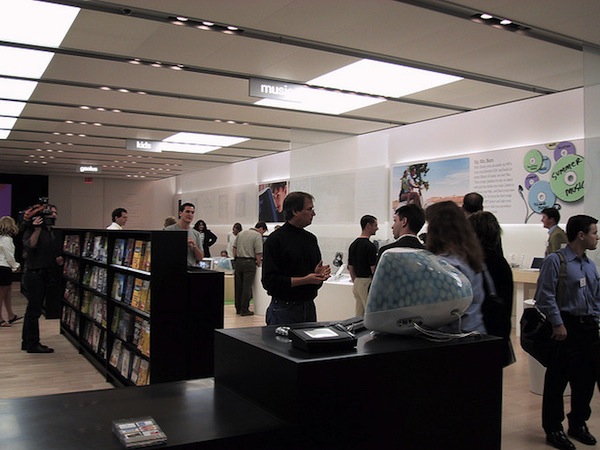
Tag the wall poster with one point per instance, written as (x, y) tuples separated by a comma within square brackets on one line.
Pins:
[(270, 201), (517, 184)]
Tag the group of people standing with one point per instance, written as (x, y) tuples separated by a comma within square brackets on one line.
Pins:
[(469, 238)]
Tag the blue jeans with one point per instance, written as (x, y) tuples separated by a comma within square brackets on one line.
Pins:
[(281, 312)]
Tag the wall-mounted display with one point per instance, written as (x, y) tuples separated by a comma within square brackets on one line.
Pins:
[(517, 183), (270, 201)]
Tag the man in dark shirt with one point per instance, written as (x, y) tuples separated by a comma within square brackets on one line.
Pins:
[(42, 250), (293, 270), (362, 256), (408, 220)]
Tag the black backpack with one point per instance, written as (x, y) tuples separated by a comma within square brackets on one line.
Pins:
[(536, 329)]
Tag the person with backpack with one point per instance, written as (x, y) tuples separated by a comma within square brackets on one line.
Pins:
[(572, 306)]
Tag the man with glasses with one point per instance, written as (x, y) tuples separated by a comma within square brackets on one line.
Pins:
[(293, 269)]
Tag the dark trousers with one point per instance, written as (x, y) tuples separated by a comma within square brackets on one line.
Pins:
[(36, 283), (572, 362), (245, 272), (281, 312)]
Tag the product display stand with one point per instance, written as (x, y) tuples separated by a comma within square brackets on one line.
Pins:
[(134, 310)]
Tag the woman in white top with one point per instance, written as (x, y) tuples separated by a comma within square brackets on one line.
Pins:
[(237, 227), (8, 265)]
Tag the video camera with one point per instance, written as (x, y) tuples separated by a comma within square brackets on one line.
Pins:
[(41, 209)]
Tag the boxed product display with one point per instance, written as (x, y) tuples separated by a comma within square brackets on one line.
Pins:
[(138, 432)]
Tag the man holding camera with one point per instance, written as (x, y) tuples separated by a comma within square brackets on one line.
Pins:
[(42, 252)]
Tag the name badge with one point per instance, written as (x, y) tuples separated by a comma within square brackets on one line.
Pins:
[(582, 282)]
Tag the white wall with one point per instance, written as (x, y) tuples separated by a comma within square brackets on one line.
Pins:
[(350, 177), (89, 205)]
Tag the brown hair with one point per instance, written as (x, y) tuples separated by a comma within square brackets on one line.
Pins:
[(449, 232), (486, 228)]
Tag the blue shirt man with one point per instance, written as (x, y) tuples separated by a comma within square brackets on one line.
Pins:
[(574, 319)]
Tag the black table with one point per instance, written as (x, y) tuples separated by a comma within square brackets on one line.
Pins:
[(193, 416), (389, 389)]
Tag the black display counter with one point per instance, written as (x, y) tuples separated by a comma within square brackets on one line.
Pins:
[(406, 392), (388, 392), (192, 415)]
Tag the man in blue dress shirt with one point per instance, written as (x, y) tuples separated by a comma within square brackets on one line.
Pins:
[(574, 318)]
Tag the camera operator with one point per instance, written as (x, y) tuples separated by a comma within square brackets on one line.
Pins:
[(42, 251)]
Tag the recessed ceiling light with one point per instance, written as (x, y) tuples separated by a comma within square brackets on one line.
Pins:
[(505, 22), (485, 16)]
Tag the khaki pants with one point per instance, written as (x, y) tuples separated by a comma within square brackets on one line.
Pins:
[(361, 291)]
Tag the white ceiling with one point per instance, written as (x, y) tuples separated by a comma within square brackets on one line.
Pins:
[(286, 40)]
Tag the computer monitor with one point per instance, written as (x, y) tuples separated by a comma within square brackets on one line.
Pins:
[(412, 286), (536, 263)]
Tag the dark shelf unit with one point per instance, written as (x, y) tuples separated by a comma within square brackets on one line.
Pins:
[(185, 308)]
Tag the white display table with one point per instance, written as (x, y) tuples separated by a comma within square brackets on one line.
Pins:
[(334, 302), (522, 278)]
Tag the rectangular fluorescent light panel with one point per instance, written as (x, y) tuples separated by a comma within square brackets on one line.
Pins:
[(16, 89), (320, 100), (198, 143), (22, 62), (8, 108), (366, 76), (35, 23), (6, 123), (379, 78)]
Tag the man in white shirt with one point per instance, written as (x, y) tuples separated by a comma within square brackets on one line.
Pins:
[(119, 219)]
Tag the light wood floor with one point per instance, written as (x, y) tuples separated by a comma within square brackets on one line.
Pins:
[(24, 374)]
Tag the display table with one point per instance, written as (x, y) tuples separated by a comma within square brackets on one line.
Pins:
[(389, 389), (192, 414), (229, 287), (334, 301), (522, 278)]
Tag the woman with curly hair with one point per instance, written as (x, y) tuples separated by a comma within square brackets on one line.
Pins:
[(451, 237), (208, 237)]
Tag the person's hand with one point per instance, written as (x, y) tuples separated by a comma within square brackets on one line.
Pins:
[(191, 243), (323, 271), (559, 333), (60, 260), (38, 221)]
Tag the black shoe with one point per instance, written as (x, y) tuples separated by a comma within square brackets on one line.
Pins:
[(559, 439), (237, 311), (582, 434), (247, 313), (39, 348), (25, 347)]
